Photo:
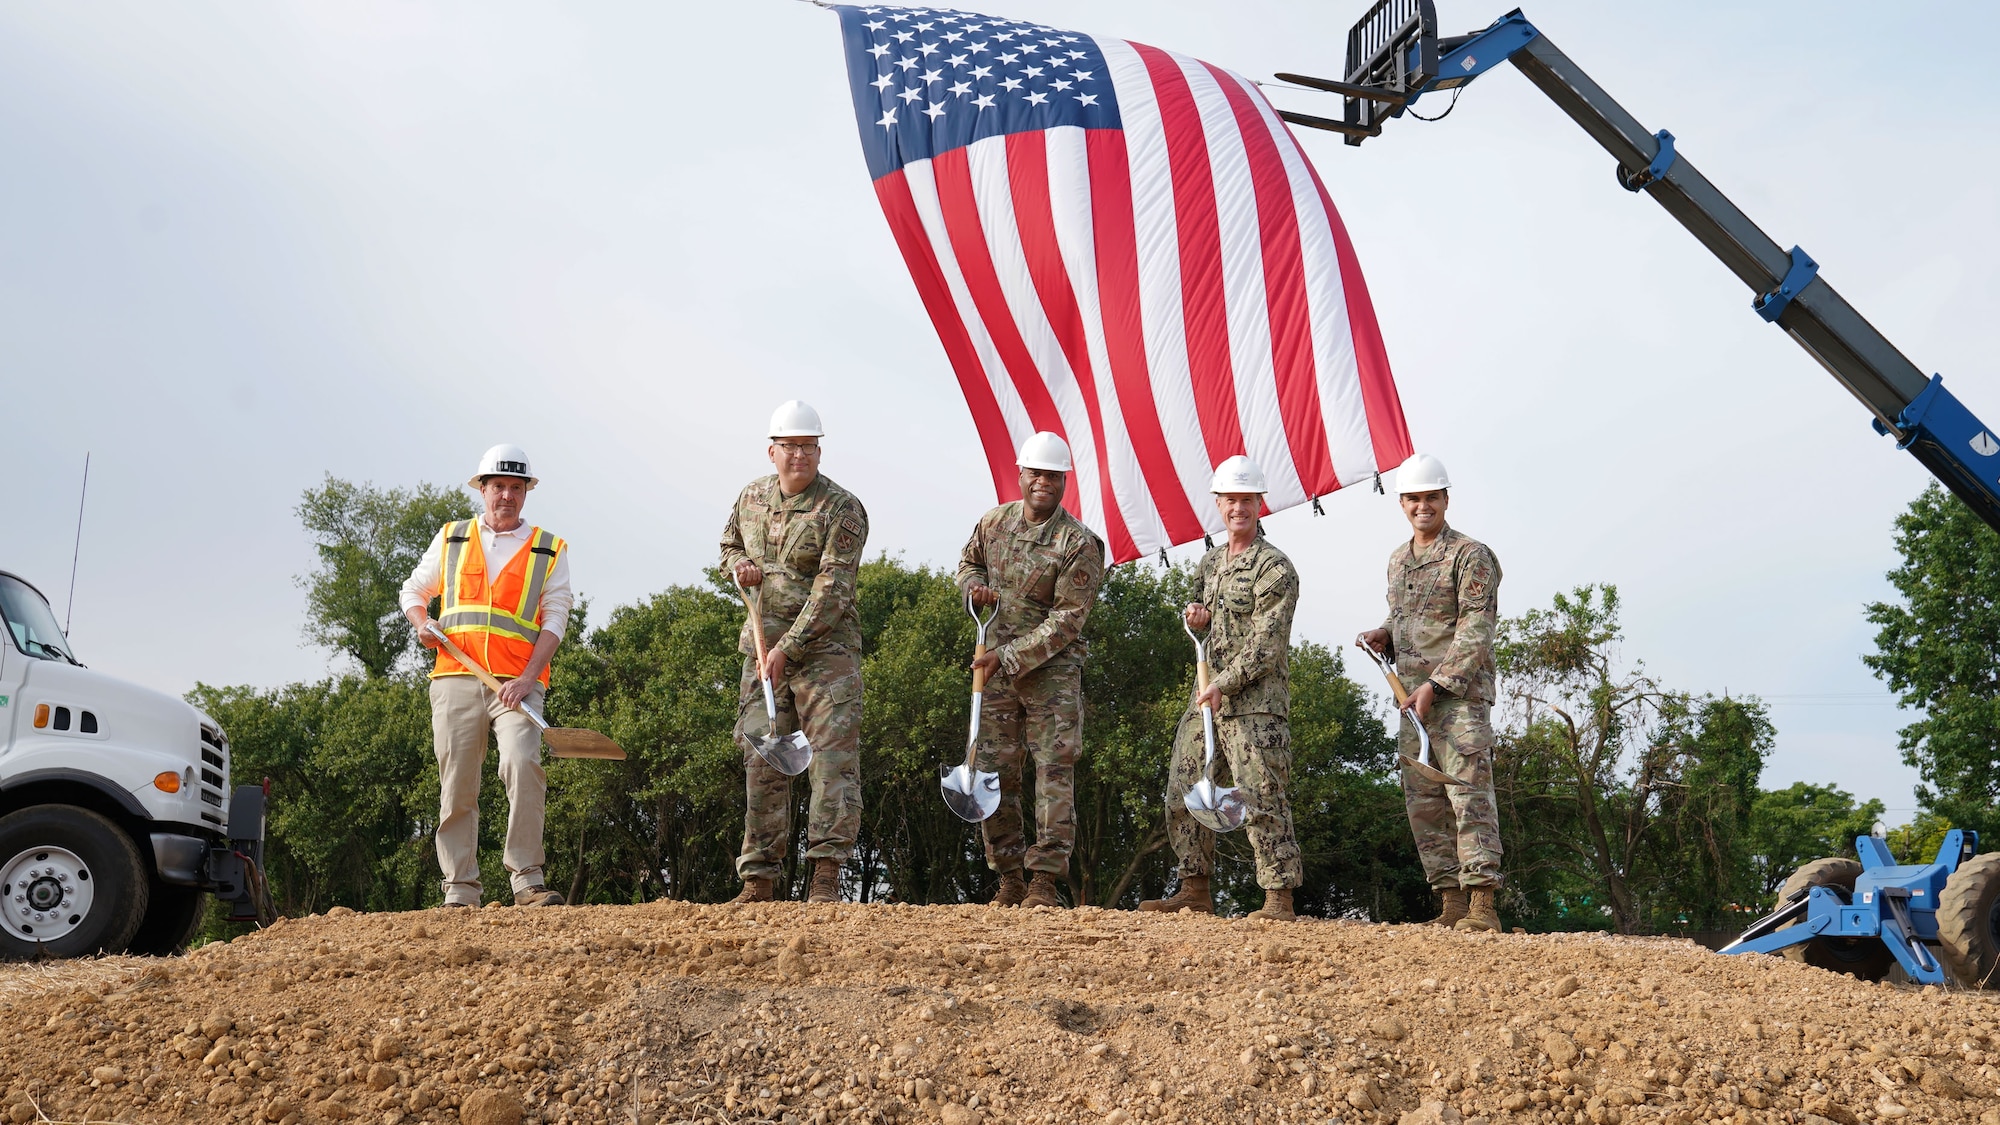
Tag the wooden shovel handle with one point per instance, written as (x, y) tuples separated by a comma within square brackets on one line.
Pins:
[(471, 665), (1200, 676), (755, 604), (978, 674)]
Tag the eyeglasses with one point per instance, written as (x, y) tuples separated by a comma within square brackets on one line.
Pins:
[(797, 449)]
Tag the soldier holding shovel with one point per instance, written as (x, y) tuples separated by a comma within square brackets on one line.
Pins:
[(1043, 568), (795, 538), (1443, 612)]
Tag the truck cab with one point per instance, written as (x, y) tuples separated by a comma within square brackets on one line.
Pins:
[(117, 819)]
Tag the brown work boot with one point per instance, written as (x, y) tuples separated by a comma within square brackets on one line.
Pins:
[(1479, 914), (1012, 890), (1194, 895), (756, 888), (1454, 907), (825, 881), (1042, 892), (537, 895), (1277, 905)]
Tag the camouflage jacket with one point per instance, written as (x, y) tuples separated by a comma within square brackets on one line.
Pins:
[(809, 547), (1250, 600), (1047, 576), (1443, 611)]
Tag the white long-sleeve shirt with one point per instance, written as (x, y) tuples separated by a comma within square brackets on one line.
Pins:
[(427, 580)]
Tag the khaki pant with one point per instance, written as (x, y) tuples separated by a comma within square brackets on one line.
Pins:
[(463, 711)]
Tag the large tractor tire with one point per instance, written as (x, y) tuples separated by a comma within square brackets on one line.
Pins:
[(173, 914), (1862, 958), (72, 883), (1968, 916)]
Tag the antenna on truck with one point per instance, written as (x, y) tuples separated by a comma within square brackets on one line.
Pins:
[(77, 549)]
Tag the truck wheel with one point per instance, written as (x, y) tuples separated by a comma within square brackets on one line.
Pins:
[(1968, 916), (71, 883), (173, 914), (1862, 958)]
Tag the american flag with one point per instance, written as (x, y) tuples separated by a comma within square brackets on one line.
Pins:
[(1127, 247)]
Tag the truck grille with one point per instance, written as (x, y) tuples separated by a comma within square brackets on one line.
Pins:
[(215, 753)]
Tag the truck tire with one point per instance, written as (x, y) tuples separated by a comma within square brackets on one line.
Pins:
[(173, 914), (71, 884), (1968, 916), (1862, 958)]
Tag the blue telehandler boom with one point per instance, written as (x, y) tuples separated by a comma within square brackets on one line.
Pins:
[(1936, 920)]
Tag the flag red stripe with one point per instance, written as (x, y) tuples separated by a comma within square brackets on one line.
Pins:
[(1125, 329), (1035, 221), (975, 262), (1204, 310), (1386, 428), (893, 191), (1285, 295)]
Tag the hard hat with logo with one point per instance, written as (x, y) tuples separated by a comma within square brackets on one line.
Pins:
[(1421, 473), (1238, 474), (1045, 451), (796, 419), (504, 461)]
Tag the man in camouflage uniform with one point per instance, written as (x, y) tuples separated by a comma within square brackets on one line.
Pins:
[(1443, 612), (1043, 567), (1249, 591), (798, 537)]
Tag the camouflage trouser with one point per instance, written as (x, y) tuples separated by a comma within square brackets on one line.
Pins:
[(1039, 712), (820, 695), (1251, 751), (1457, 828)]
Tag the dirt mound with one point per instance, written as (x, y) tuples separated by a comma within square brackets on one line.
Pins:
[(965, 1015)]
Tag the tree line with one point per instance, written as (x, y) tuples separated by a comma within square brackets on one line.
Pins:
[(1625, 804)]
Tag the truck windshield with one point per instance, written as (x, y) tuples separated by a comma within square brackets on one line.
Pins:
[(30, 622)]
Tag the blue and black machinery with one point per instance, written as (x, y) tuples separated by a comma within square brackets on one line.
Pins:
[(1858, 916)]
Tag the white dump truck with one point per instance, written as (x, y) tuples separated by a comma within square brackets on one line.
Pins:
[(117, 820)]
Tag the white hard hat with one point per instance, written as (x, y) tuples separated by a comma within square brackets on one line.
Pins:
[(1044, 451), (1237, 474), (796, 419), (504, 461), (1421, 473)]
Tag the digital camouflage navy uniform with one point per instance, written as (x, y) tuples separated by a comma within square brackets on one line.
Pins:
[(1047, 576), (1250, 599), (1443, 611), (809, 547)]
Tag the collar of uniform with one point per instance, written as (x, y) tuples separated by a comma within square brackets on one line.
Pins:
[(1249, 556), (519, 531), (1439, 548), (804, 500), (1043, 532)]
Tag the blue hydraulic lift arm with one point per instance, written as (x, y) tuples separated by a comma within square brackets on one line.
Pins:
[(1408, 61)]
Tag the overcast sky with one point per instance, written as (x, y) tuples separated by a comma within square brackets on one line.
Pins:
[(244, 246)]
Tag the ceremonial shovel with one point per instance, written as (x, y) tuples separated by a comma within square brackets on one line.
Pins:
[(972, 793), (1422, 762), (564, 742), (789, 754), (1218, 809)]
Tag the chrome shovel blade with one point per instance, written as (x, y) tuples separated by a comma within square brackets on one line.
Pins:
[(1422, 762), (972, 794), (1216, 808)]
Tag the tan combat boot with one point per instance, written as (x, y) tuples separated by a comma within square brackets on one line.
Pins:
[(1277, 905), (537, 895), (1042, 892), (1194, 895), (1012, 889), (1479, 914), (756, 888), (825, 881), (1454, 907)]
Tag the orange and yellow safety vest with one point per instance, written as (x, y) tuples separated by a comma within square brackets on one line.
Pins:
[(496, 622)]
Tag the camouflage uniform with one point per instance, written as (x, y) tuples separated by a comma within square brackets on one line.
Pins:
[(1443, 610), (1047, 576), (808, 547), (1250, 600)]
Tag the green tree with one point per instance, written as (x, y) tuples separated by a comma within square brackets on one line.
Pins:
[(1793, 826), (368, 540), (1939, 650)]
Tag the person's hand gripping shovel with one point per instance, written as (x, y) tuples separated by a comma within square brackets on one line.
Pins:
[(1422, 762), (1217, 808), (973, 794), (789, 754), (564, 742)]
